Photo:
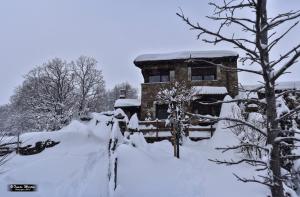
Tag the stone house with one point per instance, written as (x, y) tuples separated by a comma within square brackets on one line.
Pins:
[(211, 82)]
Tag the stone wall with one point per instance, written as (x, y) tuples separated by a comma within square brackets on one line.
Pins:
[(228, 79)]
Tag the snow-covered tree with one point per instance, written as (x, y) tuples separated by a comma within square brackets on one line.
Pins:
[(46, 98), (261, 35), (5, 112), (53, 92), (177, 95)]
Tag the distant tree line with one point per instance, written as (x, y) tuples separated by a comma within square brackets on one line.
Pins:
[(56, 92)]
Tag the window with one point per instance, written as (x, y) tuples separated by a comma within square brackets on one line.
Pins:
[(164, 78), (154, 78), (209, 77), (162, 111), (198, 108), (159, 76), (204, 73)]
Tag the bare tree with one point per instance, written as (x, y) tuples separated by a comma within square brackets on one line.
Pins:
[(90, 83), (262, 36)]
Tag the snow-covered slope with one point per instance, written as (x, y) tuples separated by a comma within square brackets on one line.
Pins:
[(75, 167), (152, 170), (78, 166)]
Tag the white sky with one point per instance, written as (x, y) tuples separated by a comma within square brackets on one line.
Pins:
[(112, 31)]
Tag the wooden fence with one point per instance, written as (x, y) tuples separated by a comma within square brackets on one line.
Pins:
[(157, 130)]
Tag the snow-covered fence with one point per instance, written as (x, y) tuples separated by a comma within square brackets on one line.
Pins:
[(118, 123), (158, 130), (7, 148)]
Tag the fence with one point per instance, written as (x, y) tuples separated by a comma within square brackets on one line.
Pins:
[(157, 130)]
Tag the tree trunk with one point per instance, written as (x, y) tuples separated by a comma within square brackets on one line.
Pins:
[(272, 125), (273, 131), (177, 144)]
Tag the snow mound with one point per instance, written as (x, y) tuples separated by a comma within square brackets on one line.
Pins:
[(77, 166), (138, 140), (133, 122), (154, 171)]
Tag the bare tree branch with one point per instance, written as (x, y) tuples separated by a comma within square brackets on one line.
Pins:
[(287, 64), (242, 146), (217, 119), (252, 162), (253, 180)]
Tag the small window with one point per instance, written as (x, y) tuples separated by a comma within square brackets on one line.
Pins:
[(165, 78), (208, 77), (162, 111), (197, 77), (159, 76), (204, 73), (154, 78)]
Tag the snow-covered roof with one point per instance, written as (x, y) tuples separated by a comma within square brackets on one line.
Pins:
[(279, 85), (127, 103), (288, 85), (209, 90), (185, 55), (248, 95)]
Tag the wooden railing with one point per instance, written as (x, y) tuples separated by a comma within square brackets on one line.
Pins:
[(157, 130)]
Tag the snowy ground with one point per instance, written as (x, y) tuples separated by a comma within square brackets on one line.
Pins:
[(78, 166)]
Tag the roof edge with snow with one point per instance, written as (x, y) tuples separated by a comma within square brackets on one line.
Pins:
[(127, 103), (184, 55), (215, 90)]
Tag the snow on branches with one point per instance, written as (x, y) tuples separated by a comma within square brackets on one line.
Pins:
[(177, 95)]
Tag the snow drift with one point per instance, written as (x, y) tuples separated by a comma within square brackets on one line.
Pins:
[(78, 166)]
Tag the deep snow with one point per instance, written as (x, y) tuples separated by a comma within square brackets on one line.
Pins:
[(78, 166)]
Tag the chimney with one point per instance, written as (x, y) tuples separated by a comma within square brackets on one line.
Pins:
[(122, 93)]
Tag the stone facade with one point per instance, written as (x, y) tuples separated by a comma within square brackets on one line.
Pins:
[(181, 70)]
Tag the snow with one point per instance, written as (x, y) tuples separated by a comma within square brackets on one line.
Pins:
[(120, 112), (198, 134), (79, 165), (248, 95), (198, 90), (138, 140), (127, 103), (75, 167), (252, 105), (185, 55), (288, 85), (133, 122), (281, 106), (157, 173), (285, 85)]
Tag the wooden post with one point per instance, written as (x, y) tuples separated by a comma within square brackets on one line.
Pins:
[(174, 141), (211, 130), (174, 145), (18, 143), (157, 129), (116, 174)]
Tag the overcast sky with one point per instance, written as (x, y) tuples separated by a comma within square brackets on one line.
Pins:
[(112, 31)]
